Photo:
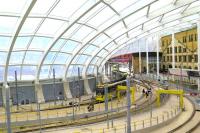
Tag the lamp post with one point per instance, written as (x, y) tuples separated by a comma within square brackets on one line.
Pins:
[(128, 105), (54, 89), (106, 102), (16, 88)]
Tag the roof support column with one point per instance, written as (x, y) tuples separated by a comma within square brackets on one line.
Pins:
[(198, 49), (157, 55), (173, 50), (140, 60), (147, 57)]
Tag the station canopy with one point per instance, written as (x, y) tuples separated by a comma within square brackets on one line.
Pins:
[(37, 36)]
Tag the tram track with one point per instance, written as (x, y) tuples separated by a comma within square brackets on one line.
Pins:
[(144, 106)]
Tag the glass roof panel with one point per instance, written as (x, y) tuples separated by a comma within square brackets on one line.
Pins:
[(49, 58), (116, 30), (73, 70), (102, 53), (66, 8), (7, 24), (110, 45), (3, 56), (101, 17), (122, 4), (82, 32), (16, 57), (12, 6), (100, 40), (90, 69), (21, 42), (4, 43), (71, 31), (42, 6), (11, 72), (89, 49), (62, 58), (32, 57), (136, 16), (28, 72), (80, 59), (44, 73), (58, 44), (1, 73), (54, 24), (30, 25), (59, 71), (159, 4), (40, 43), (94, 60), (69, 46), (92, 13)]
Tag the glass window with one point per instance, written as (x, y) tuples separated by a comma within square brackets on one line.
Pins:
[(7, 24), (4, 43), (42, 6), (73, 70), (11, 72), (21, 42), (12, 6), (58, 44), (80, 59), (30, 25), (44, 73), (81, 33), (89, 49), (49, 58), (1, 73), (40, 43), (50, 27), (67, 8), (16, 57), (28, 72), (62, 58), (3, 57), (32, 57), (90, 69), (59, 71), (69, 46)]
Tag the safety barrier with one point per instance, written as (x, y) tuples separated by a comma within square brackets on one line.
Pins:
[(136, 125)]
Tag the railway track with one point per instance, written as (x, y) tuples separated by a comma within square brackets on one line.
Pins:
[(77, 122), (191, 125)]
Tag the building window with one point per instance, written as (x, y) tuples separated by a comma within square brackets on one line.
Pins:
[(170, 58), (184, 49), (175, 49), (180, 58), (175, 58), (189, 58), (179, 49), (163, 43), (195, 37), (184, 58), (191, 38), (184, 39), (167, 58), (168, 50), (171, 50), (195, 58)]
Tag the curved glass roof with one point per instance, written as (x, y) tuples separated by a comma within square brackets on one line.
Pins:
[(39, 36)]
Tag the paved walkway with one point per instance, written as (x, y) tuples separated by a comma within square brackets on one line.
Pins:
[(120, 122)]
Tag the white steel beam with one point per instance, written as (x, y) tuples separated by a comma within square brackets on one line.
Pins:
[(15, 35), (178, 17)]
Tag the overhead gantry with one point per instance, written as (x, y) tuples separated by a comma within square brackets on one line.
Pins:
[(124, 88), (173, 92)]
